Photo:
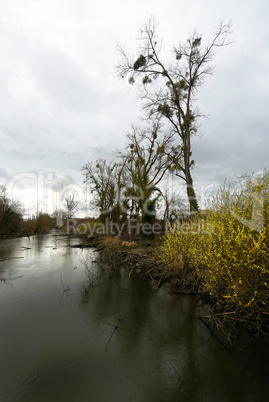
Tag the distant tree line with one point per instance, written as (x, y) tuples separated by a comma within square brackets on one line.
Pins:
[(13, 222)]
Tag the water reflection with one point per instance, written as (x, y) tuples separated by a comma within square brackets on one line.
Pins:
[(113, 339)]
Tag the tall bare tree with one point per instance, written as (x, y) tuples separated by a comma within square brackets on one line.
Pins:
[(169, 90)]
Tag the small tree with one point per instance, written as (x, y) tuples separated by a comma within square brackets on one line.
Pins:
[(146, 162), (174, 205), (104, 181), (169, 90)]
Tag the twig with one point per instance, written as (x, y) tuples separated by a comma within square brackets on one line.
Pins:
[(67, 288), (116, 327)]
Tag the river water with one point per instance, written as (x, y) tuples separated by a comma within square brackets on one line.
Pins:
[(65, 336)]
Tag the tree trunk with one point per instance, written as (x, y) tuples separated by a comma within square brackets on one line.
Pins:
[(191, 193), (187, 154)]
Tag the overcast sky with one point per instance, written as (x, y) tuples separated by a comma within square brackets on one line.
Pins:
[(62, 105)]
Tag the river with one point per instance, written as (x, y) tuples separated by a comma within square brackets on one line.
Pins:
[(67, 337)]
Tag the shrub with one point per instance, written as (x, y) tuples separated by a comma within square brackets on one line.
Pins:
[(228, 247)]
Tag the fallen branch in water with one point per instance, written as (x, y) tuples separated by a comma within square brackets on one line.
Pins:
[(117, 326), (148, 273), (217, 314), (202, 319), (131, 271), (11, 278), (67, 287), (65, 290), (10, 258)]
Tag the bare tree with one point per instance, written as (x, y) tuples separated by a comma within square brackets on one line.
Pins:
[(146, 163), (104, 179), (168, 90), (71, 204), (174, 205)]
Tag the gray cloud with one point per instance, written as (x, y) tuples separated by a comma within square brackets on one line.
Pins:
[(65, 82)]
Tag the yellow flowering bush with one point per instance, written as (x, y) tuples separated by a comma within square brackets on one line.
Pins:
[(228, 246)]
